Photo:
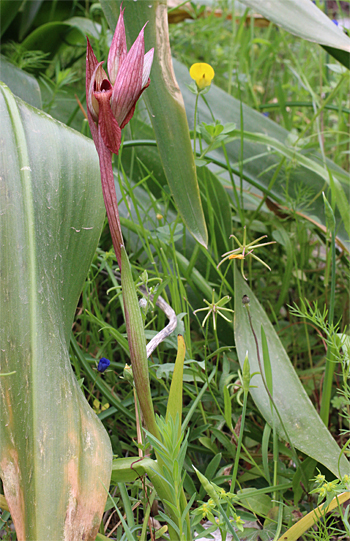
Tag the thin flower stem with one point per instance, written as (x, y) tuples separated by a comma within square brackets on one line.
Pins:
[(110, 199), (239, 443), (195, 125)]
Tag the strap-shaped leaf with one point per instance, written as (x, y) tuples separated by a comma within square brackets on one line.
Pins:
[(165, 105), (174, 407), (55, 456), (304, 19), (305, 428)]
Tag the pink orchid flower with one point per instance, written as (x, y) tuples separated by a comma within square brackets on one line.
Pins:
[(111, 105), (111, 102)]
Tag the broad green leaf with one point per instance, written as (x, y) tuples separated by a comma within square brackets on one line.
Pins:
[(262, 137), (254, 501), (165, 105), (22, 84), (303, 424), (304, 19), (86, 27), (55, 456)]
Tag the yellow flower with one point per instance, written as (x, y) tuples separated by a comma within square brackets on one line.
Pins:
[(203, 74), (236, 256)]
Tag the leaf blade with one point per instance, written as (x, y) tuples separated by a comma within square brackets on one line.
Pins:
[(53, 214), (303, 424)]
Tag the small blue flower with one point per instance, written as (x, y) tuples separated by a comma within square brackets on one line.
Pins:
[(266, 114), (335, 22), (103, 364)]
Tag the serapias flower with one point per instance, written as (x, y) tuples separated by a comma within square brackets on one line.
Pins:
[(111, 102), (203, 74), (111, 105)]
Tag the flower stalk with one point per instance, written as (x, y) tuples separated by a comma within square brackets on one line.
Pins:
[(111, 104)]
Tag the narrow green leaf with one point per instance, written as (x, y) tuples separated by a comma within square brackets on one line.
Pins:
[(228, 408), (166, 108), (188, 506), (217, 210), (308, 466), (297, 412), (330, 219), (212, 467), (174, 407), (265, 450), (128, 533), (204, 440), (281, 236)]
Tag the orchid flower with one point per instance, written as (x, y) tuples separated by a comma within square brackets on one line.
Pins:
[(111, 105), (111, 102)]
